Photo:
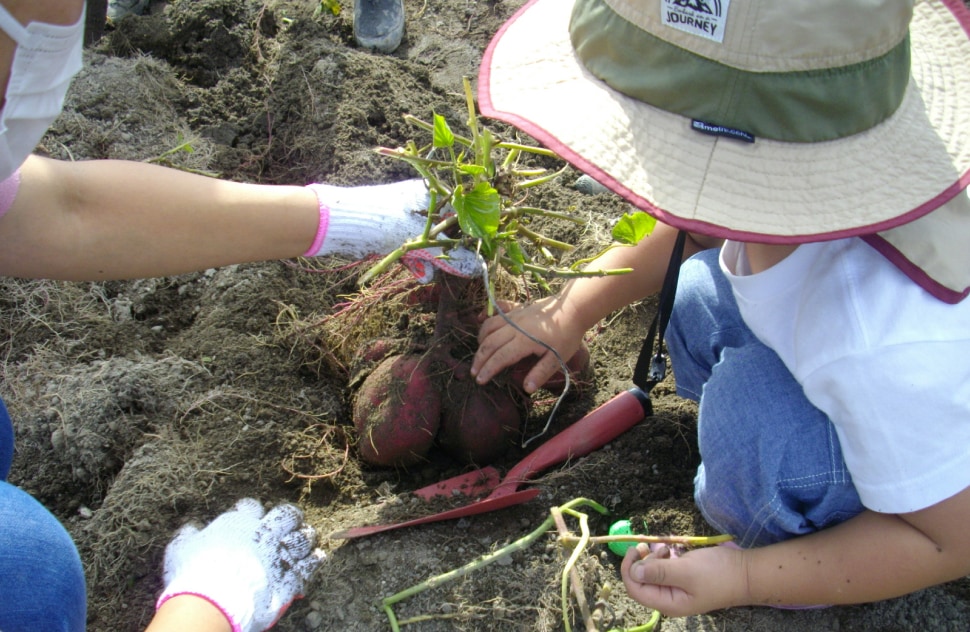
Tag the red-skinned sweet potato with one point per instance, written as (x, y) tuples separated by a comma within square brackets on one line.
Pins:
[(397, 412), (478, 423)]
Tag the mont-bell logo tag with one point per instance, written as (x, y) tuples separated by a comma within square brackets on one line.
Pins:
[(720, 130), (705, 18)]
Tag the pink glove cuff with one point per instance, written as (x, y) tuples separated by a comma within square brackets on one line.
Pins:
[(8, 192), (321, 226), (166, 596)]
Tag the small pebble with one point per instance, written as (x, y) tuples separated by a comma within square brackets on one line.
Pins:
[(314, 620), (589, 186)]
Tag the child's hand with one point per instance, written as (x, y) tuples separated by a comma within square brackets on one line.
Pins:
[(500, 345), (696, 582)]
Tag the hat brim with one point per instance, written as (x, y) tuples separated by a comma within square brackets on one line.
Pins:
[(767, 191)]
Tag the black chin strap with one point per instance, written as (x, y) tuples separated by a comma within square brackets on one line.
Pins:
[(652, 367)]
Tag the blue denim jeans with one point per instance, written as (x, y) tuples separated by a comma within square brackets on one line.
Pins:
[(771, 465), (41, 578)]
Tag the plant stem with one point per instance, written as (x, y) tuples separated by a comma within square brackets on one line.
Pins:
[(532, 150), (428, 127), (571, 274), (646, 627), (474, 565), (412, 159), (386, 262), (542, 179), (525, 541), (521, 211), (543, 240), (569, 570), (686, 540)]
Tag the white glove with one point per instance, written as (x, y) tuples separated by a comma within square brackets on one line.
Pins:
[(249, 565), (357, 222), (368, 220)]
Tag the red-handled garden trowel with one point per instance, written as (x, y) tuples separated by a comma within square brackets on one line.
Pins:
[(593, 431)]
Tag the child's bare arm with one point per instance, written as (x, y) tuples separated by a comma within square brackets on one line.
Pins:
[(868, 558), (109, 219), (871, 557)]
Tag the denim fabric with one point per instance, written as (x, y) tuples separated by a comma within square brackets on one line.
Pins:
[(6, 442), (772, 466), (41, 577)]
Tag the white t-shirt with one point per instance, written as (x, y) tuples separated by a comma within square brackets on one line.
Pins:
[(888, 363)]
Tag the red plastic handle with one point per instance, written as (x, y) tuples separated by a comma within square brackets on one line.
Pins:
[(594, 430)]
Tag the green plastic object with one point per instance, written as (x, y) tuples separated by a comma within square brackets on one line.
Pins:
[(621, 527)]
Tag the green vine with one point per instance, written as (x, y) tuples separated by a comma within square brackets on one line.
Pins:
[(477, 188), (579, 544)]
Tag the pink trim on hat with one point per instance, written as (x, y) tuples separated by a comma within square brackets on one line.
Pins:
[(914, 272), (960, 12)]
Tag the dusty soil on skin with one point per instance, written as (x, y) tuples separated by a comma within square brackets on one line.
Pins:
[(144, 404)]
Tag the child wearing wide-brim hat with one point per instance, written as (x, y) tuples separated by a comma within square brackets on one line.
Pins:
[(823, 147)]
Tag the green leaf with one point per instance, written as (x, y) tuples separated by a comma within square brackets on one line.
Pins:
[(479, 211), (472, 170), (515, 254), (443, 137), (633, 227), (331, 5)]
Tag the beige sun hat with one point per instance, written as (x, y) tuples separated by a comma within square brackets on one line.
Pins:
[(777, 121)]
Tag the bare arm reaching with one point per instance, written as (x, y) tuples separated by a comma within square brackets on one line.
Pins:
[(110, 219)]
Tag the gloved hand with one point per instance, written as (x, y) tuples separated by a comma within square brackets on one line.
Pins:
[(249, 565), (360, 221), (368, 220)]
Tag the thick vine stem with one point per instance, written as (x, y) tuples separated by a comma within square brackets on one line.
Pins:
[(539, 151), (527, 184)]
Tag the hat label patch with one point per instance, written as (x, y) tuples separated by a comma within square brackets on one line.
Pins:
[(705, 18), (720, 130)]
